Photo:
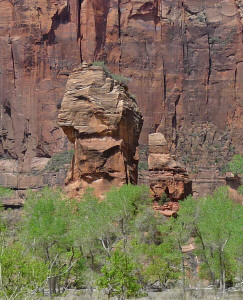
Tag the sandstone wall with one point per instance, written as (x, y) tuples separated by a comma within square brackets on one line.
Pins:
[(184, 57)]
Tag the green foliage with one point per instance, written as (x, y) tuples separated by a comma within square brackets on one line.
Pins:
[(217, 225), (143, 165), (118, 77), (118, 277), (240, 189), (21, 272), (119, 244), (163, 264), (121, 79), (101, 63), (46, 229), (153, 249), (164, 198), (89, 222), (59, 160), (125, 201), (224, 168), (46, 216), (146, 226), (236, 165), (220, 240), (97, 224), (5, 192)]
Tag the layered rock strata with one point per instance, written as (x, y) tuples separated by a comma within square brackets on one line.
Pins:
[(39, 175), (168, 178), (234, 182), (103, 121), (185, 60)]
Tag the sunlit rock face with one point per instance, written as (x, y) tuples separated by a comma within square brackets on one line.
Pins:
[(185, 61), (168, 178), (103, 121)]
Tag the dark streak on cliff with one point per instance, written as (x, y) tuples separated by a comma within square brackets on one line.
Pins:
[(100, 24), (79, 35), (13, 63), (57, 19)]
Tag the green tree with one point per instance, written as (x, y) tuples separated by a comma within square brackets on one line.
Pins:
[(46, 228), (99, 225), (158, 264), (123, 205), (21, 272), (220, 233), (118, 277), (90, 228), (216, 222)]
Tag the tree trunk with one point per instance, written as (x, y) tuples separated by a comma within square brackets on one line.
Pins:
[(183, 276), (59, 285), (222, 272), (205, 256), (52, 285)]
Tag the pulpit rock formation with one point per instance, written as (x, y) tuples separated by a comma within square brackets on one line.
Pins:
[(103, 121)]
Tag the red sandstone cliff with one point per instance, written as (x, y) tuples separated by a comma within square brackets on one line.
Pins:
[(184, 57)]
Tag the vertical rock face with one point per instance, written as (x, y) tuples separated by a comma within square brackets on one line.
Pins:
[(167, 177), (103, 121), (185, 59), (38, 48)]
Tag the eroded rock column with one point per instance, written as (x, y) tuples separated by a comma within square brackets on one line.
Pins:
[(103, 121), (169, 180)]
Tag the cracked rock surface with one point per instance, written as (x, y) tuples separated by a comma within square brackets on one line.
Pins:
[(168, 178), (103, 121), (185, 59)]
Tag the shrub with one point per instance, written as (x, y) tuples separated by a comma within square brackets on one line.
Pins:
[(59, 160), (240, 189), (143, 165), (121, 79), (236, 165), (118, 77), (5, 192), (164, 198), (46, 229), (118, 277), (21, 272)]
